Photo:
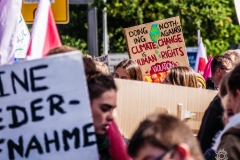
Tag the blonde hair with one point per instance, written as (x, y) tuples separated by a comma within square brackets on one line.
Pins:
[(201, 80), (101, 67), (132, 69), (182, 76)]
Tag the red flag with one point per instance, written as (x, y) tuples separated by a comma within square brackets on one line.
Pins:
[(201, 59), (44, 34), (207, 71)]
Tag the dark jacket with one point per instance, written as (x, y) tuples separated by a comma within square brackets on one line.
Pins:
[(211, 124), (230, 142), (103, 144), (210, 84)]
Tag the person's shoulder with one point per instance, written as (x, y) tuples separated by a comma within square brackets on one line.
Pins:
[(216, 104)]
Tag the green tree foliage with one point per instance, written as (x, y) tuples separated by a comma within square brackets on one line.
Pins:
[(216, 20)]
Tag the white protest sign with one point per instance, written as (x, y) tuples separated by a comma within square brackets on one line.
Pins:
[(116, 58), (103, 59), (23, 39), (45, 111), (237, 7)]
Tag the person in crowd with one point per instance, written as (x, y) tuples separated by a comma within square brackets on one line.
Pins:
[(181, 76), (162, 136), (228, 112), (60, 49), (229, 139), (212, 119), (221, 64), (238, 51), (210, 154), (128, 69), (101, 67), (102, 91), (200, 81), (233, 55)]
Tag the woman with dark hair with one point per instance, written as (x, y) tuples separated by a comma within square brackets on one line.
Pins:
[(181, 76), (128, 69), (102, 92)]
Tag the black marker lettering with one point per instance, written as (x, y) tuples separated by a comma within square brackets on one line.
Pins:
[(16, 123), (67, 135), (55, 140), (55, 105), (24, 84), (13, 146), (34, 109), (33, 144), (87, 134), (2, 94), (34, 79)]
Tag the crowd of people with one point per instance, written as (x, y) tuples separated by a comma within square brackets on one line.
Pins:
[(162, 136)]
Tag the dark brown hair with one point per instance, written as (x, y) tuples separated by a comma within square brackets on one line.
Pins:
[(234, 80), (163, 131), (182, 76), (98, 84), (61, 49), (219, 61), (132, 69)]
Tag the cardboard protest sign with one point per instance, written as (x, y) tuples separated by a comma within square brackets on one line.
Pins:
[(136, 100), (45, 111), (157, 46)]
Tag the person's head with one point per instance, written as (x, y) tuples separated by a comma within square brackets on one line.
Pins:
[(181, 76), (102, 92), (89, 67), (233, 55), (234, 88), (201, 81), (221, 65), (60, 49), (101, 67), (128, 69), (228, 112), (162, 134)]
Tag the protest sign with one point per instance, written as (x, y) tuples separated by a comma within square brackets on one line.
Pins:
[(136, 100), (237, 7), (157, 46), (23, 38), (115, 59), (103, 59), (45, 111)]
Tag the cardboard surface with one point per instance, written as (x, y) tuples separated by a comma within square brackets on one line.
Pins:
[(157, 46), (136, 100), (41, 119)]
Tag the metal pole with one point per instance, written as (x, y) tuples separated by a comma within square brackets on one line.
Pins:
[(199, 36), (105, 32), (92, 32)]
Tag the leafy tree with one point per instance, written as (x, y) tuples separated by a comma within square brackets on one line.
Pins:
[(216, 20)]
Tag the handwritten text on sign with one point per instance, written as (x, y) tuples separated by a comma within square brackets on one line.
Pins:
[(45, 111), (155, 43)]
